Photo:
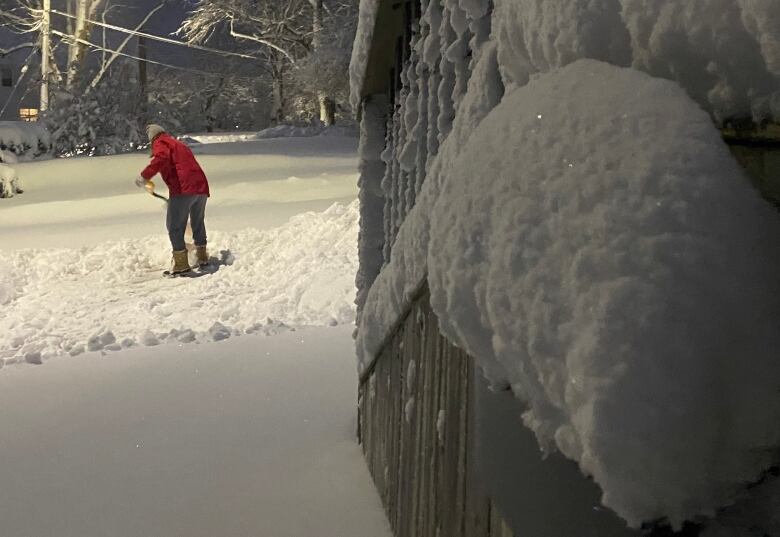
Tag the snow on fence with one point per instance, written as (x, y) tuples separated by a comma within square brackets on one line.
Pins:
[(415, 410), (586, 237)]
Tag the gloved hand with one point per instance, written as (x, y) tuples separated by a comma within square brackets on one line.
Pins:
[(140, 182)]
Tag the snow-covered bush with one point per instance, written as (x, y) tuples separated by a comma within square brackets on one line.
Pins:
[(9, 182), (104, 120), (324, 71), (21, 140), (221, 103)]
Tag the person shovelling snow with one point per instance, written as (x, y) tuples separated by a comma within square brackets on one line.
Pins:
[(188, 190)]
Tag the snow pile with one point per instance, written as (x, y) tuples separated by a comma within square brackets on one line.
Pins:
[(280, 131), (305, 131), (9, 182), (596, 247), (20, 140), (112, 296)]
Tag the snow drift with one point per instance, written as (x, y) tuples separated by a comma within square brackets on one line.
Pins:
[(596, 247), (112, 296)]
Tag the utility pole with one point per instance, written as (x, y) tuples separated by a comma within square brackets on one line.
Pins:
[(45, 47)]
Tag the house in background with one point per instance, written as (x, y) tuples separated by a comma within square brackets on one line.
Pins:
[(19, 98), (448, 453)]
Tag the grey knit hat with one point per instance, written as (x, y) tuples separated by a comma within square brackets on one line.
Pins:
[(153, 131)]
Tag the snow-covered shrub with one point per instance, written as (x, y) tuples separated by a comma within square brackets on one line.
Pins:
[(220, 103), (101, 121), (20, 141), (322, 72), (9, 182)]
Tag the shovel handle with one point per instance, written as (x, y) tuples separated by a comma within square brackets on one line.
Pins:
[(149, 185)]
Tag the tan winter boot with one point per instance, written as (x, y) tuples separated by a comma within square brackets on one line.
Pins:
[(203, 255), (180, 262)]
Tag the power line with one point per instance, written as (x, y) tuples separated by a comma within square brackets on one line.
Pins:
[(160, 38), (18, 81), (67, 37)]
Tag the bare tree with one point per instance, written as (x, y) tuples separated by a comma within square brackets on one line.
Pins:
[(282, 31), (110, 56), (83, 13), (27, 17)]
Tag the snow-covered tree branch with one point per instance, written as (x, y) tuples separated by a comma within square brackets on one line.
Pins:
[(290, 35)]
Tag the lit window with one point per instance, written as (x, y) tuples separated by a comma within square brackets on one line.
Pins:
[(28, 114), (6, 77)]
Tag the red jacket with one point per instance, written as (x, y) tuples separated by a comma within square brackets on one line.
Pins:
[(175, 162)]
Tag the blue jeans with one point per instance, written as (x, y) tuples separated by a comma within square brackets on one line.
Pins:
[(180, 209)]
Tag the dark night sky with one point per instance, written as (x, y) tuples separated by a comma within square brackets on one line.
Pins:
[(164, 23)]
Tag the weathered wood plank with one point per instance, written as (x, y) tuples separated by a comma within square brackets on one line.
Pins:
[(415, 413)]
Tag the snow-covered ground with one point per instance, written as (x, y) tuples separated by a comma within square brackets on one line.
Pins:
[(111, 296), (247, 437), (260, 184), (152, 418)]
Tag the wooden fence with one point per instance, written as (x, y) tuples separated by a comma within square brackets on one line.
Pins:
[(416, 407)]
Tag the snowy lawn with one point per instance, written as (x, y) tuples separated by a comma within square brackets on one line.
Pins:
[(83, 201), (248, 437)]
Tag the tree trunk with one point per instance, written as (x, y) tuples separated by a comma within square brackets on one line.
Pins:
[(84, 10), (45, 55), (327, 110), (327, 106), (277, 108), (211, 100)]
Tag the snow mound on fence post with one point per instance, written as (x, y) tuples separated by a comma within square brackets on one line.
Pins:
[(596, 247)]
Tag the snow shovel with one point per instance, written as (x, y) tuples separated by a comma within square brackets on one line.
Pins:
[(149, 185)]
